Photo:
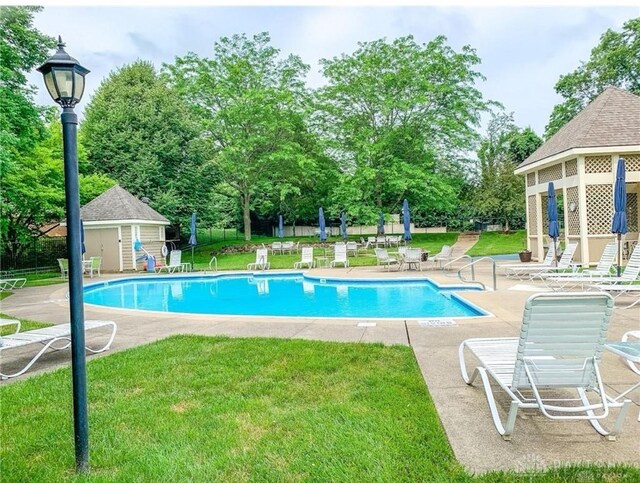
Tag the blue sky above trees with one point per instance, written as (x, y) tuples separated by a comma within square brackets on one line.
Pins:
[(523, 50)]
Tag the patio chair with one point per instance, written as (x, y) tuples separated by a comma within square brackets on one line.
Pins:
[(547, 262), (603, 269), (636, 335), (383, 258), (175, 262), (530, 272), (276, 247), (625, 283), (413, 258), (287, 247), (371, 242), (340, 255), (63, 263), (559, 349), (445, 255), (352, 247), (307, 258), (9, 284), (95, 265), (262, 260), (57, 337)]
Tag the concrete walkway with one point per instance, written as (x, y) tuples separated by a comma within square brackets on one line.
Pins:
[(537, 442)]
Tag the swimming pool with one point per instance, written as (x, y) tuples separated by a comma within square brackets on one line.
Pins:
[(287, 295)]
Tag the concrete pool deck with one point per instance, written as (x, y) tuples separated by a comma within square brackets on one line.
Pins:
[(537, 442)]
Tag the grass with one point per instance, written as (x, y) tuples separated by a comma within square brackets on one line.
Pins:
[(202, 409), (499, 243), (193, 408), (238, 261), (25, 325)]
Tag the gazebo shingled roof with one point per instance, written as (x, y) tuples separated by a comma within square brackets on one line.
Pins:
[(118, 204), (611, 119)]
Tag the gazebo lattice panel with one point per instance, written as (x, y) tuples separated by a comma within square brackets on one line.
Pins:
[(531, 179), (573, 218), (533, 216), (599, 208), (551, 173), (571, 167), (597, 164), (632, 212), (632, 162)]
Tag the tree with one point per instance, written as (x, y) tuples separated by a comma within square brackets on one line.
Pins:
[(137, 131), (395, 114), (250, 107), (22, 47), (500, 193), (615, 61)]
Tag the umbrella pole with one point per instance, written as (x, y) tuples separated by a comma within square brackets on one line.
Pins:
[(555, 253), (192, 248), (619, 253)]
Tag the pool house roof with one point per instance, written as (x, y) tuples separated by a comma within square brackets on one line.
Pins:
[(118, 205)]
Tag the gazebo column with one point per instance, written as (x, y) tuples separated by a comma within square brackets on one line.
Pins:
[(582, 212), (539, 227)]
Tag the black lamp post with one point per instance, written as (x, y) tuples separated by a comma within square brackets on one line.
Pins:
[(64, 78)]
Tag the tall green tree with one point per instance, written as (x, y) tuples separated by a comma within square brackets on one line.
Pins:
[(250, 105), (137, 131), (395, 114), (22, 47), (615, 61), (500, 193)]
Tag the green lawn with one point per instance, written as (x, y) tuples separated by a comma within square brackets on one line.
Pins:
[(192, 408), (498, 243)]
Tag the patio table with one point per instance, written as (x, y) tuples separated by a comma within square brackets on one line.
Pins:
[(629, 351)]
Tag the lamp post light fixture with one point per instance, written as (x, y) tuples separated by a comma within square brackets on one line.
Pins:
[(64, 79)]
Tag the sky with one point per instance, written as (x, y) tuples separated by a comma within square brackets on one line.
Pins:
[(524, 50)]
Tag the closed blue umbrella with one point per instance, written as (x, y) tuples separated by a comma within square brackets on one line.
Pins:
[(343, 225), (82, 236), (323, 228), (280, 226), (381, 224), (406, 219), (192, 239), (552, 212), (619, 225)]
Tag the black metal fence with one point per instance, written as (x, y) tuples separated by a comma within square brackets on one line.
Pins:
[(33, 254)]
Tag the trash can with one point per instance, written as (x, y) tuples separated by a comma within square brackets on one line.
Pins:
[(151, 263)]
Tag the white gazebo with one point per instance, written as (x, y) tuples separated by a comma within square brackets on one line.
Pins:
[(581, 161)]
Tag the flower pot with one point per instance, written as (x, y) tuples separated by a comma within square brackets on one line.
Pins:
[(525, 256)]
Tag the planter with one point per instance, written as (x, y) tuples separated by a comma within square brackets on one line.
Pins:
[(525, 256)]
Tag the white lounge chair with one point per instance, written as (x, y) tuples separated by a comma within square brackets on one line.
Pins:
[(276, 247), (12, 283), (445, 255), (383, 258), (287, 246), (307, 258), (547, 262), (49, 337), (636, 335), (175, 262), (340, 254), (413, 258), (624, 284), (531, 272), (262, 260), (559, 348), (63, 263), (352, 247), (603, 269)]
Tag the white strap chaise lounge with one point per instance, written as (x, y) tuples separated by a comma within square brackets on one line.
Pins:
[(56, 337), (307, 258), (530, 272), (9, 284), (445, 255), (603, 269), (175, 262), (340, 255), (383, 258), (262, 260), (559, 349)]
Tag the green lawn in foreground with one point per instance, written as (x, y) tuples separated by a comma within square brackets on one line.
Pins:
[(499, 243), (193, 408)]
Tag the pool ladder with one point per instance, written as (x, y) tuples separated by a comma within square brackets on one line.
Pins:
[(472, 265)]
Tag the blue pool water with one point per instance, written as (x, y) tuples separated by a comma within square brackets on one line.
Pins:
[(281, 295)]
